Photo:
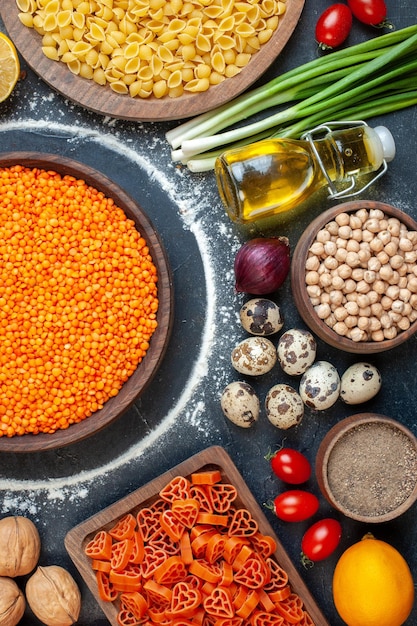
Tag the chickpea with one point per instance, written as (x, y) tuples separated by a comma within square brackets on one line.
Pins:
[(393, 226), (363, 215), (390, 333), (352, 307), (323, 235), (317, 248), (405, 244), (353, 245), (330, 248), (312, 278), (363, 322), (355, 222), (340, 313), (372, 224), (391, 249), (358, 334), (345, 232), (378, 335), (396, 261), (376, 245), (341, 255), (404, 323), (382, 257), (342, 219), (332, 228), (376, 213), (312, 263), (323, 310)]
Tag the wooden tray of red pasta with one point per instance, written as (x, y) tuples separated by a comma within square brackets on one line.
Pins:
[(202, 543)]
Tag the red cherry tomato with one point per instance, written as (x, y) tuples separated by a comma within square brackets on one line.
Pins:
[(321, 539), (371, 12), (295, 505), (333, 26), (291, 466)]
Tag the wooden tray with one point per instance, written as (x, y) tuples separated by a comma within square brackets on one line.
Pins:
[(104, 100), (139, 380), (212, 458)]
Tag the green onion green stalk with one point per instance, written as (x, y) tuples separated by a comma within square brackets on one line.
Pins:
[(371, 78)]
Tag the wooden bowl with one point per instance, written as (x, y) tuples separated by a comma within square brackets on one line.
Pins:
[(105, 101), (366, 467), (298, 283), (213, 458), (144, 373)]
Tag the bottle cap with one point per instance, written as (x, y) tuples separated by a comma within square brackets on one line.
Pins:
[(387, 141)]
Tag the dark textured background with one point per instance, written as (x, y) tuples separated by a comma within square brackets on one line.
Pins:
[(179, 414)]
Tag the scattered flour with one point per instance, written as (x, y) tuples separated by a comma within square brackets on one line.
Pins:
[(174, 181)]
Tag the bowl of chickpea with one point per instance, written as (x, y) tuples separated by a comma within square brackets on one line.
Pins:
[(86, 301), (354, 276)]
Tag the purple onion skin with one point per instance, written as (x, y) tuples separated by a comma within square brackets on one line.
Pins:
[(262, 265)]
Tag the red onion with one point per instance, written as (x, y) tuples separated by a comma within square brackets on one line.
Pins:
[(262, 265)]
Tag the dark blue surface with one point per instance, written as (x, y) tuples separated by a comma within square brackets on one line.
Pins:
[(179, 414)]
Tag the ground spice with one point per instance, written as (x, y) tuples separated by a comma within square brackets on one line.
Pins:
[(78, 300), (372, 469)]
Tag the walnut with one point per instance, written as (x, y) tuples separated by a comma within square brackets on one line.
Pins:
[(12, 602), (53, 596), (20, 546)]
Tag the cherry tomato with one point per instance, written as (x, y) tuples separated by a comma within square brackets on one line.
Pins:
[(291, 466), (372, 12), (321, 539), (295, 505), (333, 26)]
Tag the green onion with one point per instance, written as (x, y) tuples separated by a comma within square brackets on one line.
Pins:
[(375, 76)]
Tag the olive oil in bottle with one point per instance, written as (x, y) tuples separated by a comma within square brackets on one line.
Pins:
[(275, 175)]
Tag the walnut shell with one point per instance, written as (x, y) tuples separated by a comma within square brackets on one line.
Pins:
[(20, 546), (53, 596), (12, 602)]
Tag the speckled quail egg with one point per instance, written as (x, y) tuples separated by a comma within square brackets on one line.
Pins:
[(284, 406), (254, 356), (320, 385), (359, 383), (240, 404), (261, 316), (296, 351)]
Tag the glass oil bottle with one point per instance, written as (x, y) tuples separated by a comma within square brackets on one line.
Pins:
[(275, 175)]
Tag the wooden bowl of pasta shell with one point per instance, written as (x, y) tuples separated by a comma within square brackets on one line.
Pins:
[(183, 65)]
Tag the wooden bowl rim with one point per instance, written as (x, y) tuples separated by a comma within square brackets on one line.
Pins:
[(302, 300), (141, 378), (333, 437), (106, 102)]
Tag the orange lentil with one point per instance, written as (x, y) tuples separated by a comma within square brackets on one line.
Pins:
[(78, 300)]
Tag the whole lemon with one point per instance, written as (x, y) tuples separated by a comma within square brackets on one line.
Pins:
[(373, 585)]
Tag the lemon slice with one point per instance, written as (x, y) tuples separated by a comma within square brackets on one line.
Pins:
[(9, 67)]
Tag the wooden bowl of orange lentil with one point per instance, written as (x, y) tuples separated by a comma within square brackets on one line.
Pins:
[(161, 61), (354, 276), (85, 301)]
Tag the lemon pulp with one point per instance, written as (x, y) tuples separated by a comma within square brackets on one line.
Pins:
[(9, 67)]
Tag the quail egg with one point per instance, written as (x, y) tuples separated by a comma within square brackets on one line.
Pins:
[(320, 385), (359, 383), (296, 351), (284, 406), (240, 404), (254, 356), (261, 316)]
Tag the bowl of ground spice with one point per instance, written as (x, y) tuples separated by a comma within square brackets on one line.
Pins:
[(366, 467), (354, 276), (85, 301)]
